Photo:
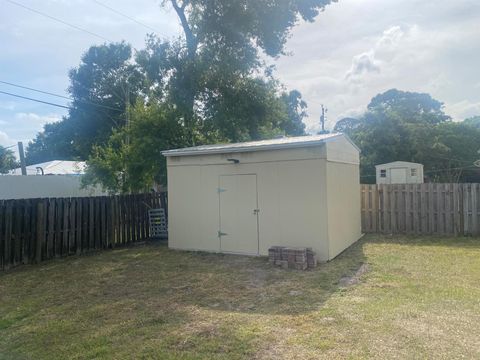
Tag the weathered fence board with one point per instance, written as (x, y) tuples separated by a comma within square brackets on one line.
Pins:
[(33, 230), (442, 209)]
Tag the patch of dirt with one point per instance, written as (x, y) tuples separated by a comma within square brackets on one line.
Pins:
[(355, 278)]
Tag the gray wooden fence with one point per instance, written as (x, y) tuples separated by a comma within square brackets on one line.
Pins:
[(33, 230), (443, 209)]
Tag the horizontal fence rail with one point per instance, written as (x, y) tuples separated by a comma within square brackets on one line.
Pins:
[(442, 209), (33, 230)]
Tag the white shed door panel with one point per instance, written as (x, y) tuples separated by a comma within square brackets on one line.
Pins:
[(398, 175), (238, 214)]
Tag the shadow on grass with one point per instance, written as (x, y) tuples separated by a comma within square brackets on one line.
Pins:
[(250, 284), (164, 301), (158, 277)]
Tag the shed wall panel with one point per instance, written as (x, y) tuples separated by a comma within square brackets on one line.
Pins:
[(344, 217), (291, 198), (342, 151)]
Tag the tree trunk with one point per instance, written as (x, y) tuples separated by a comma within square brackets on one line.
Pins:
[(190, 69)]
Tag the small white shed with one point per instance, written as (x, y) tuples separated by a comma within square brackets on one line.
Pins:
[(399, 172), (244, 198)]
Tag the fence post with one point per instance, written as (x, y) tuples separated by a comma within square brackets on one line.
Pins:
[(8, 234), (475, 209), (40, 231)]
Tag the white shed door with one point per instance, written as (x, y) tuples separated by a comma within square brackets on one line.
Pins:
[(238, 214), (398, 175)]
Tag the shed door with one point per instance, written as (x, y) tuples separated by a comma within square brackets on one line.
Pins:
[(398, 176), (238, 214)]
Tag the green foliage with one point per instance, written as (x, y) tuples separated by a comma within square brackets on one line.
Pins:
[(473, 121), (246, 25), (296, 112), (449, 151), (346, 125), (100, 88), (414, 107), (405, 126), (132, 160), (53, 143), (249, 108), (7, 160)]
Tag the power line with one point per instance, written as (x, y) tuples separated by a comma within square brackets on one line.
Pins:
[(36, 100), (36, 90), (52, 104), (60, 96), (59, 20), (7, 147), (126, 16)]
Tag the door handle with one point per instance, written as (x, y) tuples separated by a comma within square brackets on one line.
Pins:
[(256, 211)]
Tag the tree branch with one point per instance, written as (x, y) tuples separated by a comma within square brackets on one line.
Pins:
[(190, 37)]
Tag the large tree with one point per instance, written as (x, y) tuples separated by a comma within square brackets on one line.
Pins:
[(217, 64), (104, 84), (213, 81), (131, 161), (473, 121), (414, 107), (410, 126)]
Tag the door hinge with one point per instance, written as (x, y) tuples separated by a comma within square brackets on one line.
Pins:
[(220, 234), (220, 190)]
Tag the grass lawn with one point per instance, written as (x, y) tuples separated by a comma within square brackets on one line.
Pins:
[(412, 298)]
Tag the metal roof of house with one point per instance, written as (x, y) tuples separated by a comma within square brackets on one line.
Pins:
[(54, 167), (271, 144)]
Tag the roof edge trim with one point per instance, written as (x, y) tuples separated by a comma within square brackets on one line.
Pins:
[(299, 144)]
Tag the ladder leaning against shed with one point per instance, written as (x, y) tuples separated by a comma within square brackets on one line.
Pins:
[(158, 223)]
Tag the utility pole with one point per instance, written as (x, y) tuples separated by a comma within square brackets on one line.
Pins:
[(127, 126), (22, 158), (322, 120), (127, 110)]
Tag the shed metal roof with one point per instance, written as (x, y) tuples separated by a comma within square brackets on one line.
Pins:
[(54, 167), (271, 144), (398, 163)]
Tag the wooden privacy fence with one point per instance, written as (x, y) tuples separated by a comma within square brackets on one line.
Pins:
[(33, 230), (445, 209)]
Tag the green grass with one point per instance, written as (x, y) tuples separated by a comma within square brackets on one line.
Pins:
[(419, 298)]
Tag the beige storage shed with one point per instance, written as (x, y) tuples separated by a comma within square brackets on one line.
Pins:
[(399, 172), (244, 198)]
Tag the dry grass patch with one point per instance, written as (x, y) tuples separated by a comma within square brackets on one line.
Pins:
[(385, 297)]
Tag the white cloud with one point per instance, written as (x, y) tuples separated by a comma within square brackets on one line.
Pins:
[(6, 140), (463, 109), (362, 64), (357, 49), (33, 118), (370, 60)]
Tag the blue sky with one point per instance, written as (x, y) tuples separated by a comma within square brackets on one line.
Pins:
[(354, 50)]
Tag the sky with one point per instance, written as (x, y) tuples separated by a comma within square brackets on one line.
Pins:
[(353, 50)]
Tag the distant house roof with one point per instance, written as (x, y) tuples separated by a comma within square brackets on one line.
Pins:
[(398, 163), (271, 144), (55, 167)]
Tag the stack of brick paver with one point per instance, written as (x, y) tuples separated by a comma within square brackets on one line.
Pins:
[(298, 258)]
